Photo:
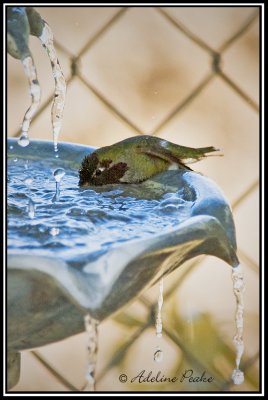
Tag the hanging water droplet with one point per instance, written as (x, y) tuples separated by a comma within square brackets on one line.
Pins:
[(238, 376), (24, 140), (89, 377), (158, 355), (31, 209), (59, 174), (159, 330), (54, 231)]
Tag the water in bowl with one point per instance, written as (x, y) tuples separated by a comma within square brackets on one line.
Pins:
[(48, 216)]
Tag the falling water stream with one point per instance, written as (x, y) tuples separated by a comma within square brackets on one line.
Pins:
[(91, 326), (158, 355), (46, 39), (238, 287), (35, 91)]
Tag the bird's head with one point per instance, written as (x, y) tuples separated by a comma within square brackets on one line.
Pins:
[(97, 172)]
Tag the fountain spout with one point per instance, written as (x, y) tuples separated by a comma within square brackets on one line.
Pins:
[(22, 22)]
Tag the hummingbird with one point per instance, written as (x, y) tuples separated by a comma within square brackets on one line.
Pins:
[(136, 159)]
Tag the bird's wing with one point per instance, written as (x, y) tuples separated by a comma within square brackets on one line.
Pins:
[(164, 154)]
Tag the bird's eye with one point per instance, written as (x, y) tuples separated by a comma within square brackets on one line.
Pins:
[(98, 172)]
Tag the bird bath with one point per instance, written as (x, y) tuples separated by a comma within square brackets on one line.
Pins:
[(94, 250), (76, 256)]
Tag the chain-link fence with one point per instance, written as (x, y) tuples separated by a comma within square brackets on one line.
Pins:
[(239, 179)]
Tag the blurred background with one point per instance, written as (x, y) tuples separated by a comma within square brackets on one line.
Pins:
[(189, 75)]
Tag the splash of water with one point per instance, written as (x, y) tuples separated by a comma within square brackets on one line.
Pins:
[(35, 91), (31, 205), (58, 175), (46, 39), (54, 231), (28, 181), (91, 326), (238, 287), (158, 355), (31, 209)]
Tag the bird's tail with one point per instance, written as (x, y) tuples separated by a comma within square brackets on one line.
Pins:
[(175, 153), (202, 152)]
